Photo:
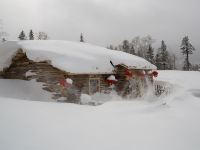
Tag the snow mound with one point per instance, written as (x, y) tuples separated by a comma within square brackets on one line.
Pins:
[(185, 79), (116, 125), (77, 57), (26, 90)]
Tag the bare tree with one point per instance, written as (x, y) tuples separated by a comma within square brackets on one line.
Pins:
[(141, 45), (3, 34), (42, 36)]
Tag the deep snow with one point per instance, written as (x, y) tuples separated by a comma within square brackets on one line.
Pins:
[(117, 125), (73, 57), (26, 90)]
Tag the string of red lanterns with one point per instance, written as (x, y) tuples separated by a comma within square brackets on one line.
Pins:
[(129, 74)]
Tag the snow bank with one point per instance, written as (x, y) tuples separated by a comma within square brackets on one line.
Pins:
[(26, 90), (184, 79), (113, 126), (78, 57), (112, 77), (116, 125), (7, 51)]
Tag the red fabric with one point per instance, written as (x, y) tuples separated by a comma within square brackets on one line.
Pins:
[(110, 82), (63, 83), (155, 73), (128, 73)]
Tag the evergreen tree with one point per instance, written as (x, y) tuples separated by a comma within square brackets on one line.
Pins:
[(186, 49), (81, 38), (126, 46), (132, 50), (31, 35), (22, 35), (163, 51), (158, 61), (150, 54), (171, 61), (164, 56)]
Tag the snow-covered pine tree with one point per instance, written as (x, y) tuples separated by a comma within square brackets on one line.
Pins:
[(81, 38), (150, 54), (132, 49), (158, 61), (164, 56), (22, 35), (126, 46), (186, 49), (31, 35)]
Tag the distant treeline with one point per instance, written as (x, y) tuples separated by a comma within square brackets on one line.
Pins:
[(161, 57)]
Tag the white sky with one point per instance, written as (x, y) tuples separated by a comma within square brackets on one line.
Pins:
[(105, 22)]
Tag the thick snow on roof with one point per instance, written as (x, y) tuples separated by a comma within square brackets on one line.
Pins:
[(76, 57), (7, 51)]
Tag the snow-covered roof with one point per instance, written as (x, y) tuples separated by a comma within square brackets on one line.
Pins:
[(73, 57)]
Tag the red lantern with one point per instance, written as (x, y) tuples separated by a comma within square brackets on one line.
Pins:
[(128, 74), (111, 80)]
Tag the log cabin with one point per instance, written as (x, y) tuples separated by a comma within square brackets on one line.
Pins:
[(90, 69)]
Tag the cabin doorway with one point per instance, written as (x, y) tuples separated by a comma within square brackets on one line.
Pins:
[(94, 85)]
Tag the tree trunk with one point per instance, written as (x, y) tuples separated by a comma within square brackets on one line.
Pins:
[(188, 63)]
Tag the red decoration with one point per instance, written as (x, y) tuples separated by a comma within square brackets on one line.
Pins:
[(111, 82), (63, 83), (128, 73), (155, 73)]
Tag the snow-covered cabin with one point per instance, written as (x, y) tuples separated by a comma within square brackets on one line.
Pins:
[(91, 68)]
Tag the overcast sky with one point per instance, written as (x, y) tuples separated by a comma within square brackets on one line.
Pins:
[(105, 22)]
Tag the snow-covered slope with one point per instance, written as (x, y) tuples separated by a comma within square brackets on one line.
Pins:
[(120, 125), (77, 57), (185, 81)]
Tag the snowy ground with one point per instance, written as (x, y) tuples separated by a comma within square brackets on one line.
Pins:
[(26, 90), (116, 125)]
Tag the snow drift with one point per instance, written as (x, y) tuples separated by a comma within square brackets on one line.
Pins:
[(127, 125)]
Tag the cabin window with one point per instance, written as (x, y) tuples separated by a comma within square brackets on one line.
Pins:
[(94, 85)]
